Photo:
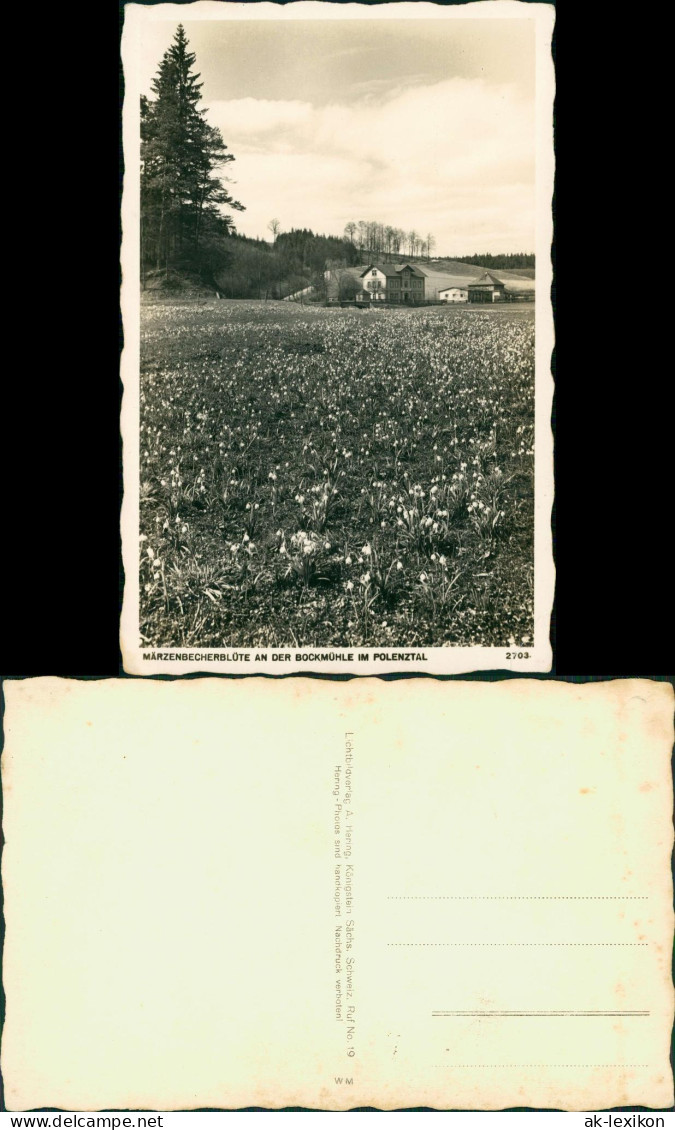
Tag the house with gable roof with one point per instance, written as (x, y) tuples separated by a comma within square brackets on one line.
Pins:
[(400, 282), (486, 288), (375, 281), (412, 284)]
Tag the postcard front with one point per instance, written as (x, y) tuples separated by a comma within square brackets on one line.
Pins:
[(338, 335)]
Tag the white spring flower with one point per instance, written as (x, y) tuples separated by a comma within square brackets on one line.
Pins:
[(365, 578), (423, 578), (348, 560)]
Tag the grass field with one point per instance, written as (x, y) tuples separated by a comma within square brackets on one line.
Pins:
[(315, 476)]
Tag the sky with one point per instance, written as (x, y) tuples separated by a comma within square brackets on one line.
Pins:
[(424, 124)]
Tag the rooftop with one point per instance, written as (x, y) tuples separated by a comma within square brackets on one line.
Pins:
[(386, 268), (411, 267), (486, 279)]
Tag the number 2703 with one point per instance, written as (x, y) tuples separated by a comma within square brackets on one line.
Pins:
[(517, 655)]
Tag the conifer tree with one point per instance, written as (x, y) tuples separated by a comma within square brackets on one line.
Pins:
[(181, 192)]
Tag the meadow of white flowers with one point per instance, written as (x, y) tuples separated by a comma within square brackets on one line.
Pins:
[(313, 476)]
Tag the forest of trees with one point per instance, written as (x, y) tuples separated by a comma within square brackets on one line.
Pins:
[(509, 262), (254, 269)]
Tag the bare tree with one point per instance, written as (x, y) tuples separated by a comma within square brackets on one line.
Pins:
[(380, 238), (384, 240), (275, 227), (388, 239), (349, 287)]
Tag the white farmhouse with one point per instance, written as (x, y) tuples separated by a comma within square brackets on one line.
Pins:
[(375, 282), (454, 294)]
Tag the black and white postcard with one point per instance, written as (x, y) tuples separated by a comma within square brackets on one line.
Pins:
[(338, 332)]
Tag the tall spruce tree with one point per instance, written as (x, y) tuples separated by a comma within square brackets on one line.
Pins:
[(182, 195)]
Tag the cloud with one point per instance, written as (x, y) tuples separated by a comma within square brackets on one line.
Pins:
[(253, 117), (455, 158)]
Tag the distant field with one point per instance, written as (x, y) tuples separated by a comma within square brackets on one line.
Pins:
[(473, 270), (332, 477)]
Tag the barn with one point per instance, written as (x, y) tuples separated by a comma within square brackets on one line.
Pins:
[(486, 288)]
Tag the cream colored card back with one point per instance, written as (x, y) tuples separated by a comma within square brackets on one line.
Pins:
[(301, 893)]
